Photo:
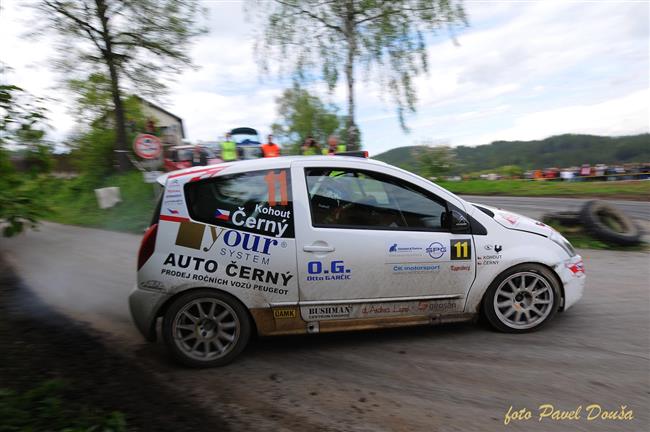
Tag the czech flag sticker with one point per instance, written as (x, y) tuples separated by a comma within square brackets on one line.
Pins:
[(222, 215)]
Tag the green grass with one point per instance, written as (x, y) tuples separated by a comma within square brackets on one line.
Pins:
[(614, 189), (74, 202), (48, 408)]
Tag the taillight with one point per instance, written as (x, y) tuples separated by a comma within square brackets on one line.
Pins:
[(148, 245)]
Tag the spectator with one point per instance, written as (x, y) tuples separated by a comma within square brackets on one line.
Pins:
[(333, 146), (270, 149), (310, 147), (228, 149)]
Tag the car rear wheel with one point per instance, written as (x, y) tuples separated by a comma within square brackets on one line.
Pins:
[(206, 328), (522, 299)]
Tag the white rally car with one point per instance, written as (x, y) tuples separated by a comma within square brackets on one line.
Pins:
[(320, 244)]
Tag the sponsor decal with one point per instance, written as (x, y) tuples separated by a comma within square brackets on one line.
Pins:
[(284, 313), (396, 249), (368, 310), (578, 268), (152, 285), (257, 274), (456, 268), (328, 312), (497, 248), (512, 219), (172, 211), (191, 263), (461, 249), (190, 235), (407, 308), (332, 271), (436, 250), (275, 228), (223, 215), (415, 268), (488, 259)]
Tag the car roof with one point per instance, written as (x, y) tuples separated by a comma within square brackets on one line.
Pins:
[(269, 163)]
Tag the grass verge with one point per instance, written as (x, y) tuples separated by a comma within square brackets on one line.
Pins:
[(632, 190), (74, 202)]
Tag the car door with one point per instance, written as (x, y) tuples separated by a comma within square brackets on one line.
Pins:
[(365, 233)]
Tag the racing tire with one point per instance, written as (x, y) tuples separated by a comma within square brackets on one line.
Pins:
[(566, 218), (206, 328), (596, 214), (522, 299)]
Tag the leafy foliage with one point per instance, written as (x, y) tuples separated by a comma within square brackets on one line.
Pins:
[(21, 126), (330, 38), (301, 115), (557, 151), (93, 147), (435, 161), (46, 408)]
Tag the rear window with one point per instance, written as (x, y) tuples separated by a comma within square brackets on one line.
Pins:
[(258, 202)]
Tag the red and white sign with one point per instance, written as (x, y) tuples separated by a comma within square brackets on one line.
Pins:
[(147, 146)]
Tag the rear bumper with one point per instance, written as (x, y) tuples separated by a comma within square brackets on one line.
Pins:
[(573, 278), (144, 306)]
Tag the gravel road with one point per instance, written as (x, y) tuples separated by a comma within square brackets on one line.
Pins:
[(451, 378)]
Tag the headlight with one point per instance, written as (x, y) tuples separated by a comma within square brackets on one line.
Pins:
[(557, 238)]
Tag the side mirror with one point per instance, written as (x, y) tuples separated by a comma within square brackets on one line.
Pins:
[(458, 223)]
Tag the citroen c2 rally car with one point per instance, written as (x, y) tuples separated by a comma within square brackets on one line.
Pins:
[(296, 245)]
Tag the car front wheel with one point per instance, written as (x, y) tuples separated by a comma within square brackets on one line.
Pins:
[(206, 328), (522, 299)]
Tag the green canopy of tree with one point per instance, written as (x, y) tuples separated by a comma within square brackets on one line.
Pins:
[(331, 38), (434, 160), (22, 126), (92, 145), (137, 43), (300, 115), (559, 151)]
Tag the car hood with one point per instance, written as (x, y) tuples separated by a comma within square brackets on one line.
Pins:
[(518, 222)]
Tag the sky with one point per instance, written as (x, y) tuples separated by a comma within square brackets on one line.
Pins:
[(522, 70)]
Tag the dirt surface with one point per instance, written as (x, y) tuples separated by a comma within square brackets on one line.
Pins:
[(39, 344), (452, 378)]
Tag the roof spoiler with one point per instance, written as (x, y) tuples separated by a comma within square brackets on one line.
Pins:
[(357, 153)]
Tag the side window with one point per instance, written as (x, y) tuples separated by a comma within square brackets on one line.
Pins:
[(363, 199), (258, 202)]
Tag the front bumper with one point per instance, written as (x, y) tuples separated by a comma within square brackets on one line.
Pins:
[(144, 305), (573, 278)]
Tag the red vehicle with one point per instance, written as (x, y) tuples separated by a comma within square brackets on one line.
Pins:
[(186, 156)]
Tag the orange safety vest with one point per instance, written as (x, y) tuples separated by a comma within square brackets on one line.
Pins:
[(270, 150)]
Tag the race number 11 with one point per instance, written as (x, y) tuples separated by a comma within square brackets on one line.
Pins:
[(272, 179), (460, 249)]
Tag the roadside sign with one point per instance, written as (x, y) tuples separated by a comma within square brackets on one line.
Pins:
[(147, 146), (151, 176)]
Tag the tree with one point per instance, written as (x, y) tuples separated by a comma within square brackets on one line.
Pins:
[(301, 115), (93, 143), (434, 160), (332, 37), (139, 42), (21, 118)]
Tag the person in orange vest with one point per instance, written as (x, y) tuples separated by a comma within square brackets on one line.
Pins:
[(270, 149)]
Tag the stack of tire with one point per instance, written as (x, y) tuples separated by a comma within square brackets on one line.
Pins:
[(599, 219)]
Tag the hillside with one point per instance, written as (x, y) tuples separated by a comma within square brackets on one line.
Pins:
[(556, 151)]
